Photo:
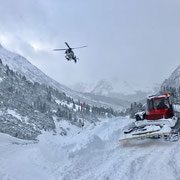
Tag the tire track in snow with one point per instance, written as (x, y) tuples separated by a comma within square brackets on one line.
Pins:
[(146, 159), (99, 156), (173, 162)]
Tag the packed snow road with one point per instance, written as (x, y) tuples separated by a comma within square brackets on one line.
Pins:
[(93, 152)]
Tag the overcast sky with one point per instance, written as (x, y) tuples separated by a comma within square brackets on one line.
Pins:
[(128, 40)]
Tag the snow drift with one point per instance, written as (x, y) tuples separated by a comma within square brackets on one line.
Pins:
[(90, 153)]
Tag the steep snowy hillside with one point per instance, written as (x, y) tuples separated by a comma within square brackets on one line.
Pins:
[(174, 79), (24, 67), (28, 108), (93, 152)]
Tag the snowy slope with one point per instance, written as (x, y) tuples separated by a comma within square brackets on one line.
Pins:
[(90, 153), (174, 79), (23, 66)]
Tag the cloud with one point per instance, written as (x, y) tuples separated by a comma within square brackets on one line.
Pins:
[(133, 41)]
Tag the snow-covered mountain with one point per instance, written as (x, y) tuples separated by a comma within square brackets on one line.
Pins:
[(174, 79), (21, 65), (119, 90), (103, 88), (24, 67), (101, 91), (27, 108)]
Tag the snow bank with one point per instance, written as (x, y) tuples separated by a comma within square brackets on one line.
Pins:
[(7, 139), (93, 152), (177, 108)]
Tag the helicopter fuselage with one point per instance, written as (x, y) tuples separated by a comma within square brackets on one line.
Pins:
[(69, 52), (70, 55)]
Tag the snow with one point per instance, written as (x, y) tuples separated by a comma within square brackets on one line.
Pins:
[(14, 113), (173, 80), (177, 108), (93, 152), (1, 79), (170, 122), (18, 116), (157, 97), (69, 105), (21, 65), (149, 130)]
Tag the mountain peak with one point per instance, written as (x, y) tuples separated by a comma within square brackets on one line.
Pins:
[(103, 87), (21, 65)]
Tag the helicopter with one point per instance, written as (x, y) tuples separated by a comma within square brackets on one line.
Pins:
[(69, 52)]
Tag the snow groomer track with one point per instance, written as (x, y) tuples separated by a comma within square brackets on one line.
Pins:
[(90, 153)]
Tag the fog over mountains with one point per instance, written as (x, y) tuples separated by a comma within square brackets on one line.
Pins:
[(21, 65), (31, 102), (121, 90)]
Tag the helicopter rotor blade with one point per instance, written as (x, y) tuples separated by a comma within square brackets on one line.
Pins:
[(79, 47), (68, 45), (59, 49)]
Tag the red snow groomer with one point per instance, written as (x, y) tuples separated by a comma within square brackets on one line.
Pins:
[(158, 120), (158, 107)]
